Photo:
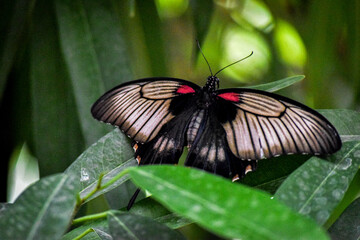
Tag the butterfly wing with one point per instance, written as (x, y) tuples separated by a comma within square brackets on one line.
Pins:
[(208, 147), (261, 125), (167, 146), (141, 108)]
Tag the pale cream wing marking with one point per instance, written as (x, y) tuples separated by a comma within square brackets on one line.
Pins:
[(260, 104), (258, 137), (160, 89), (116, 105), (139, 109), (266, 127), (153, 124)]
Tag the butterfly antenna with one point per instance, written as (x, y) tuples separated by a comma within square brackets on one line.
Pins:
[(197, 41), (234, 63)]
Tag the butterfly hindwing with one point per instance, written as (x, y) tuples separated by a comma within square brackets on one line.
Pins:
[(167, 146), (262, 125), (208, 147), (140, 108)]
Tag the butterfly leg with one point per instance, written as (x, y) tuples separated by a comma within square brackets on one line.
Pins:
[(132, 199)]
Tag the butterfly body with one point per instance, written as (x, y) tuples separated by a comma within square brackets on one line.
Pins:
[(226, 131)]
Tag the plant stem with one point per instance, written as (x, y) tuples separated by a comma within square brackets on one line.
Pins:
[(83, 234), (100, 187), (90, 217), (97, 188)]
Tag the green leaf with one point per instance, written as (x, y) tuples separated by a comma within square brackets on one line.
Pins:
[(318, 186), (118, 195), (230, 210), (128, 226), (202, 11), (100, 224), (273, 171), (81, 57), (14, 20), (56, 140), (151, 26), (3, 208), (102, 235), (110, 155), (43, 211), (146, 208), (151, 208), (108, 42), (23, 171), (347, 226), (279, 84), (347, 123)]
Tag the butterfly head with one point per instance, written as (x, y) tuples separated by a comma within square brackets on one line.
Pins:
[(212, 84)]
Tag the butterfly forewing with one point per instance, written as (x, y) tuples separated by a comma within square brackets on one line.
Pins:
[(140, 108), (264, 125)]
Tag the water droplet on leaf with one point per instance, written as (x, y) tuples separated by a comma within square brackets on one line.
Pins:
[(322, 215), (84, 175), (345, 164), (337, 194)]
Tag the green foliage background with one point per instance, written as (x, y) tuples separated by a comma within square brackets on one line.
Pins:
[(58, 57)]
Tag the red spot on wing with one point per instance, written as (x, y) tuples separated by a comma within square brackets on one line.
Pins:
[(234, 97), (184, 89)]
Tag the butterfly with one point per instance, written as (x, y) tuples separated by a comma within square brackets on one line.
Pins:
[(226, 131)]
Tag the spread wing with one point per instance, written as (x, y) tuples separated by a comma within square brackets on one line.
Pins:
[(261, 125), (140, 108)]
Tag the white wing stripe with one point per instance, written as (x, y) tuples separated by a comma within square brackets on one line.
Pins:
[(271, 136), (144, 119)]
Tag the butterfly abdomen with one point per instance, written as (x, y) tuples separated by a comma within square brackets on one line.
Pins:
[(195, 123)]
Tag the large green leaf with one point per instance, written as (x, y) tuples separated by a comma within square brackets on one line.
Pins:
[(110, 155), (318, 186), (202, 11), (108, 42), (113, 60), (151, 208), (86, 30), (135, 227), (279, 84), (347, 226), (43, 211), (228, 209), (153, 37), (14, 20), (56, 140)]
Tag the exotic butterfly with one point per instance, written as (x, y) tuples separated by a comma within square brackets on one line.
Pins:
[(226, 130)]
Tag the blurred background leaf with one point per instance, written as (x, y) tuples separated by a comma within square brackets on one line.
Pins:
[(347, 226), (57, 57)]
